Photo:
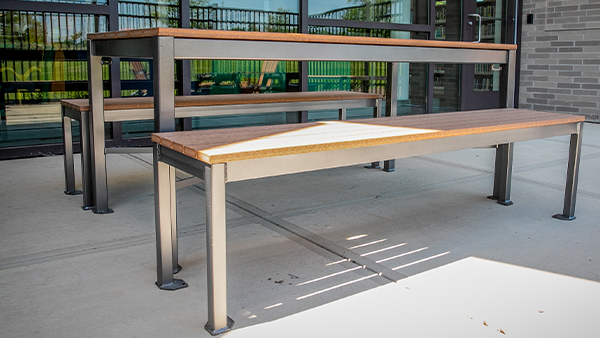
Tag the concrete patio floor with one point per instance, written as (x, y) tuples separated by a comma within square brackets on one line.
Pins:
[(475, 268)]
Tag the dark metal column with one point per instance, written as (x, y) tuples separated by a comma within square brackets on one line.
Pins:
[(572, 176), (301, 116), (96, 92), (503, 174), (391, 104)]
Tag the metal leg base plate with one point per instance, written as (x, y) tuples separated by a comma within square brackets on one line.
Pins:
[(105, 211), (505, 203), (73, 192), (177, 269), (175, 285), (373, 166), (219, 331), (563, 217), (87, 208), (389, 170)]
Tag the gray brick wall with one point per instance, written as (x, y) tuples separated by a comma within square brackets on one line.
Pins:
[(560, 57)]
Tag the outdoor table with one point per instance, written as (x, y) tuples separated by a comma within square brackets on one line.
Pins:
[(164, 45), (222, 156)]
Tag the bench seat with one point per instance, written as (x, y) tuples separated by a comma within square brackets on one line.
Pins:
[(142, 108), (256, 152)]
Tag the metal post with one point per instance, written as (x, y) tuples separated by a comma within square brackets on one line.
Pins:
[(391, 107), (497, 170), (511, 81), (164, 186), (376, 114), (342, 114), (164, 83), (96, 93), (164, 118), (503, 174), (85, 125), (572, 176), (173, 194), (68, 155), (216, 250)]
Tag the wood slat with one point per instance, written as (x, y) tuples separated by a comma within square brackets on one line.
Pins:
[(290, 37), (226, 145), (221, 100)]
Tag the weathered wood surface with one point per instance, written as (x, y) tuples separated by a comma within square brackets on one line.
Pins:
[(226, 145), (290, 37)]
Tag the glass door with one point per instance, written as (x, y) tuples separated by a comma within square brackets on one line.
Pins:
[(486, 23), (470, 86)]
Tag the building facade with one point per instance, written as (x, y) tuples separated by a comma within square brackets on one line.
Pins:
[(560, 57), (43, 59)]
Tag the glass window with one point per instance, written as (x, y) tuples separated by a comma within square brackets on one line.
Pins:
[(43, 60), (135, 14), (394, 11), (92, 2), (261, 16)]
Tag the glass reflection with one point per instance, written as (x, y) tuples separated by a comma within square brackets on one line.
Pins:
[(42, 60), (394, 11)]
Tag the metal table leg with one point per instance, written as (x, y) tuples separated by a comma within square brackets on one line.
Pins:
[(503, 174), (166, 225), (86, 161), (68, 155), (216, 250), (572, 176), (391, 108), (96, 90)]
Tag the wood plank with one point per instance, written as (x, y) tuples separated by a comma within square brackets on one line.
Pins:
[(290, 37), (221, 146), (222, 100)]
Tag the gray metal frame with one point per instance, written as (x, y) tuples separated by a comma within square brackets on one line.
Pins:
[(165, 49), (217, 175)]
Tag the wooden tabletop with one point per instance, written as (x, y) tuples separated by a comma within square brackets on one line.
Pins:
[(290, 37), (227, 145), (221, 100)]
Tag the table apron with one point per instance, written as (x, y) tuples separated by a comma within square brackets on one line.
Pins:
[(237, 109), (296, 51)]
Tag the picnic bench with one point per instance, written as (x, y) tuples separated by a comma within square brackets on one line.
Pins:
[(141, 108), (222, 156)]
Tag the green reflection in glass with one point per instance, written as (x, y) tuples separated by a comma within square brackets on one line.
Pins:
[(43, 60)]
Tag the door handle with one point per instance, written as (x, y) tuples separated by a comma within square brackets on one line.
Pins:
[(479, 31)]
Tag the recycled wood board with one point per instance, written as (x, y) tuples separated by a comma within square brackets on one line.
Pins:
[(221, 100), (290, 37), (236, 144)]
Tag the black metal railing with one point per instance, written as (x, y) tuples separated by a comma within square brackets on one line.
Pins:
[(135, 15), (378, 12), (234, 19)]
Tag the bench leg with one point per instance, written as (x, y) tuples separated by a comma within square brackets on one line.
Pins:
[(391, 107), (503, 174), (68, 155), (342, 114), (86, 161), (376, 114), (216, 250), (572, 176), (166, 225)]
